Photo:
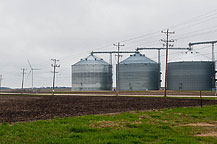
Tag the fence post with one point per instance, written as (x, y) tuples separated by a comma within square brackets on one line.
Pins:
[(201, 104)]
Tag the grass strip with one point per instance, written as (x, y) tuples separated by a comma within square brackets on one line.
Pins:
[(177, 125)]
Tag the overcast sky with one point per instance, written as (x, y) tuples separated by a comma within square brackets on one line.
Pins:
[(69, 30)]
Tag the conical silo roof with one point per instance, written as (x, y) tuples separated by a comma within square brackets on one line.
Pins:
[(91, 59), (137, 58)]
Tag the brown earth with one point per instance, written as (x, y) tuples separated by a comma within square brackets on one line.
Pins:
[(201, 124), (29, 108), (152, 92), (211, 134)]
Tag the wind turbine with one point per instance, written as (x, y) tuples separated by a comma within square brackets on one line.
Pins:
[(31, 71)]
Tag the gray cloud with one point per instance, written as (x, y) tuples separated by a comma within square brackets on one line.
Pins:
[(70, 29)]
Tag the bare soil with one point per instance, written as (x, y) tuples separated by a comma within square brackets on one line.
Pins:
[(30, 108), (211, 134), (201, 124), (152, 92)]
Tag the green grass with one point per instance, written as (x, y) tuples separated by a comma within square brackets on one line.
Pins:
[(157, 126)]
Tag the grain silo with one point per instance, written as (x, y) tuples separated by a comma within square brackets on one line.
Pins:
[(191, 73), (138, 72), (91, 73)]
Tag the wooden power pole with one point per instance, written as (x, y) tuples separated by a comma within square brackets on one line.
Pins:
[(166, 41), (23, 77), (54, 65), (1, 78), (117, 68)]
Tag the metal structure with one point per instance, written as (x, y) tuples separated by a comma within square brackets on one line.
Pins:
[(138, 72), (91, 73), (111, 52), (159, 49), (213, 54), (207, 42), (117, 68), (191, 75)]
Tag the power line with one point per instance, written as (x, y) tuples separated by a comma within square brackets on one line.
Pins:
[(141, 36), (192, 32), (197, 34), (183, 34), (196, 24), (197, 18), (189, 20)]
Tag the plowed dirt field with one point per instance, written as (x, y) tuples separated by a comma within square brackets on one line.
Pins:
[(29, 108)]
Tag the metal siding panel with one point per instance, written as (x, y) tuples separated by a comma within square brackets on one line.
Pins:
[(190, 75), (91, 77), (139, 76)]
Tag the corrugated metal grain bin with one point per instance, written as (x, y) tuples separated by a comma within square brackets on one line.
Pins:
[(191, 73), (90, 74), (138, 72)]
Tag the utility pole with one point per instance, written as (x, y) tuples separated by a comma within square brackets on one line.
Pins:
[(23, 75), (167, 41), (54, 65), (1, 77), (117, 68)]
